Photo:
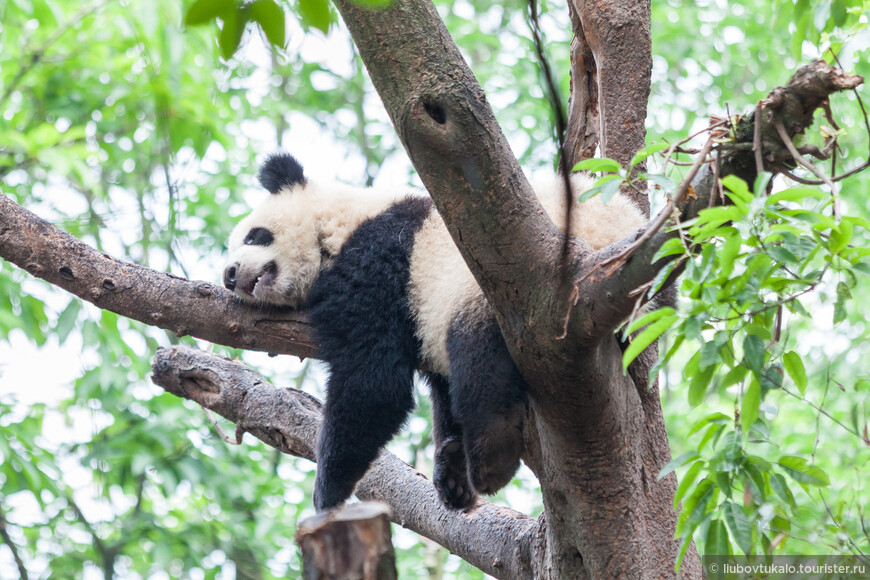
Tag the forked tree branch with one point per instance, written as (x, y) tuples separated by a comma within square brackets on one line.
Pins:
[(497, 540)]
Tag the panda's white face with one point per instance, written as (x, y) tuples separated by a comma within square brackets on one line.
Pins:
[(275, 253), (279, 250)]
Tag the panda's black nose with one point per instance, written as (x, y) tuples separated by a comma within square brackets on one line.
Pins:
[(230, 276)]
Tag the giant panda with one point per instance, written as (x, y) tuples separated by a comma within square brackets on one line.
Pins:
[(388, 292)]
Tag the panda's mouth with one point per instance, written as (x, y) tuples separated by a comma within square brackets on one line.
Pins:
[(266, 276)]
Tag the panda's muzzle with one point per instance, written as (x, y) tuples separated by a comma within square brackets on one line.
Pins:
[(237, 277)]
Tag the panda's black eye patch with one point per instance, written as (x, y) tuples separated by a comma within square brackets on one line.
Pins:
[(259, 237)]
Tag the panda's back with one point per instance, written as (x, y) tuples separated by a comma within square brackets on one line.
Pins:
[(359, 305)]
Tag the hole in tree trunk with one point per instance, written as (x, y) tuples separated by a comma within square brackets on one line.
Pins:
[(436, 112)]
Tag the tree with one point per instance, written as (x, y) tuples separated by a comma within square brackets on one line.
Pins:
[(598, 442)]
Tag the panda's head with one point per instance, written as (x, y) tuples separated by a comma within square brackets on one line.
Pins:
[(276, 252)]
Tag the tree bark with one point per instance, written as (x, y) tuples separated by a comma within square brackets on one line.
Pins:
[(350, 543)]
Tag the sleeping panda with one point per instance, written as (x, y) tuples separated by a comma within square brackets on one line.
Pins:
[(388, 292)]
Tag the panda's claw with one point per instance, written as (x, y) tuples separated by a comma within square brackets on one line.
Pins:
[(451, 476)]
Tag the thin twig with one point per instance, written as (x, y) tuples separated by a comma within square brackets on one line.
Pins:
[(756, 139), (561, 128), (786, 140), (211, 418)]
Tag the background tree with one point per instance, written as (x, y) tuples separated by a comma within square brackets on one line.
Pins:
[(127, 131)]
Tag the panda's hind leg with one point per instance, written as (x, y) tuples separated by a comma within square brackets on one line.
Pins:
[(488, 399), (451, 468)]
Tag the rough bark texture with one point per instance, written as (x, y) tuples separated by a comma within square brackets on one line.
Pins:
[(183, 306), (583, 123), (497, 540), (350, 543), (617, 35)]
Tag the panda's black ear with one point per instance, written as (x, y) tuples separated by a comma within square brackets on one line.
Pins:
[(280, 170)]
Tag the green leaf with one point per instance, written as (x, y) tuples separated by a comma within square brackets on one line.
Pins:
[(597, 164), (795, 194), (761, 181), (663, 182), (738, 191), (669, 248), (717, 542), (843, 294), (651, 317), (687, 481), (841, 235), (750, 406), (780, 487), (204, 11), (794, 366), (647, 336), (695, 508), (67, 320), (801, 471), (699, 383), (647, 151), (753, 352), (682, 459), (605, 187), (231, 34), (715, 418), (315, 13), (740, 526), (270, 17)]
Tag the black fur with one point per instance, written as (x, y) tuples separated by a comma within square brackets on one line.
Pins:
[(366, 335), (259, 237), (280, 170), (488, 399), (365, 332)]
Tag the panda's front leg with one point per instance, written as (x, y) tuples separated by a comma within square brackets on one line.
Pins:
[(488, 399), (450, 475), (364, 409)]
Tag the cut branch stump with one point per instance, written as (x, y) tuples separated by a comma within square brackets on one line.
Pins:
[(348, 543)]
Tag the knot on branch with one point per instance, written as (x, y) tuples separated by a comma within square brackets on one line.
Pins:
[(806, 91)]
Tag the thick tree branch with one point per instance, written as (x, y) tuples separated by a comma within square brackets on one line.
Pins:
[(498, 540), (605, 297), (200, 309)]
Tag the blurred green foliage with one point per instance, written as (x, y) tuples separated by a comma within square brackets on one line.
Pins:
[(136, 126)]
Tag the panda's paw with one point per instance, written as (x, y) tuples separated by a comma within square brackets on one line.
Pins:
[(451, 477), (494, 457)]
